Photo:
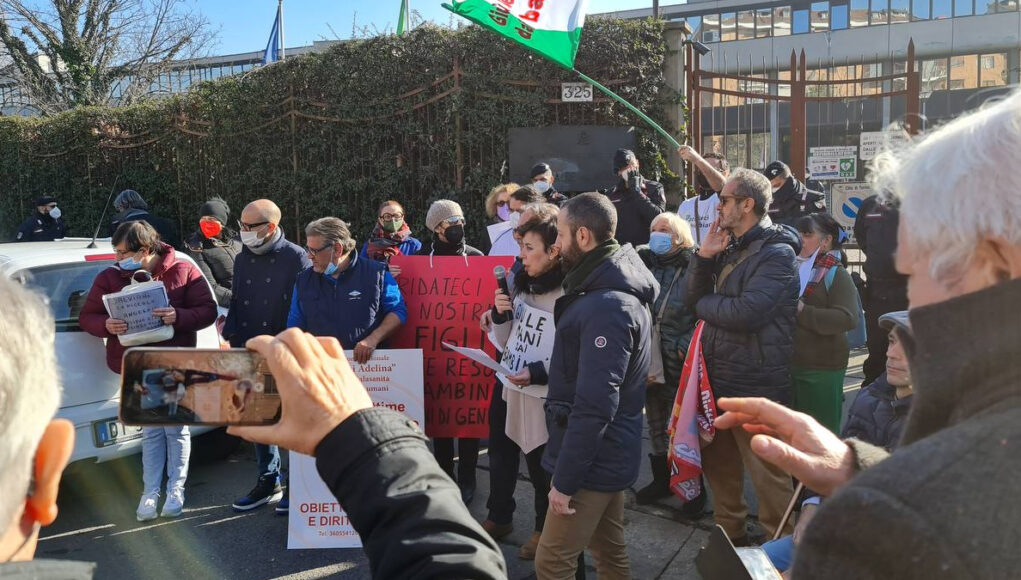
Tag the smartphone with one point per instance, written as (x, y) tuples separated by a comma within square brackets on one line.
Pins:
[(190, 386)]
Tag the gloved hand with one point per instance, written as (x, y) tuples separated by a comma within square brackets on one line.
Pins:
[(634, 181)]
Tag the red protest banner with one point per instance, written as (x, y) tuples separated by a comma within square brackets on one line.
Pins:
[(445, 300)]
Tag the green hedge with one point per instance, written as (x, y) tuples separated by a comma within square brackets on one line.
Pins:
[(334, 133)]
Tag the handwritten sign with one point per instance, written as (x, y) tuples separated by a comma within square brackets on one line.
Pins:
[(315, 520), (446, 296), (531, 340), (134, 305)]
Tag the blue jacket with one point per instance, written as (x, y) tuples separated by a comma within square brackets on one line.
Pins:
[(348, 307), (597, 377), (877, 416), (261, 291)]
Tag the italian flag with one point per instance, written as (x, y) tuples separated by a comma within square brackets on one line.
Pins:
[(550, 28)]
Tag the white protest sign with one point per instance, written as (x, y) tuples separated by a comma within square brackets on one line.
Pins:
[(478, 355), (135, 303), (394, 379), (872, 142), (847, 199), (531, 340), (501, 236)]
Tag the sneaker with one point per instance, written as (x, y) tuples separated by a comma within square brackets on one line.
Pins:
[(147, 507), (497, 531), (174, 505), (283, 504), (528, 550), (266, 489)]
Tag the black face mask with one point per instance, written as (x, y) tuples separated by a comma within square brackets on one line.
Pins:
[(454, 234)]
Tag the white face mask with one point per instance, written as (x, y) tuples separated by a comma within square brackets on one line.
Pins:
[(55, 213), (252, 240), (541, 186)]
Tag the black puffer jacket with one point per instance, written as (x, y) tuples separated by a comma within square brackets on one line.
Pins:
[(877, 416), (637, 203), (678, 322), (749, 335), (215, 257), (793, 200), (597, 377)]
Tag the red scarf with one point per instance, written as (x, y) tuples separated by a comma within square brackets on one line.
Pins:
[(823, 263), (384, 245)]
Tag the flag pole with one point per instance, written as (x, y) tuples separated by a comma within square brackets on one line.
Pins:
[(630, 107), (280, 16)]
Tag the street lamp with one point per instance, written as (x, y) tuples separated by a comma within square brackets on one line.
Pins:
[(700, 48)]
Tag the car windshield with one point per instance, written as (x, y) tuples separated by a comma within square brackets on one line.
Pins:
[(65, 287)]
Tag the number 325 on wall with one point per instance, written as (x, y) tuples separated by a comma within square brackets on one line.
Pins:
[(576, 92)]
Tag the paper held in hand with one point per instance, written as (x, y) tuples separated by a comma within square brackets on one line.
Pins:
[(134, 305), (480, 357)]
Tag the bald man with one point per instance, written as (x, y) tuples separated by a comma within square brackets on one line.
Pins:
[(264, 275)]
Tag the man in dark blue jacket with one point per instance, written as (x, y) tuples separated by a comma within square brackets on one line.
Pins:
[(597, 378), (354, 300), (264, 275), (44, 225), (744, 284)]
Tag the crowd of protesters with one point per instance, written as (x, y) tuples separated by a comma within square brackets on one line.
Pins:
[(749, 277)]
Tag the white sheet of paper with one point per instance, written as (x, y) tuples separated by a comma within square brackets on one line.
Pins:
[(480, 357), (497, 229), (805, 272), (503, 243)]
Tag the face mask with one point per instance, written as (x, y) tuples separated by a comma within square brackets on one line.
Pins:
[(541, 186), (129, 264), (503, 212), (514, 219), (55, 213), (251, 239), (455, 234), (210, 229), (660, 243), (392, 226), (331, 269)]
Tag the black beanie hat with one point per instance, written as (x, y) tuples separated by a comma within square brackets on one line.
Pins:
[(217, 208), (622, 158)]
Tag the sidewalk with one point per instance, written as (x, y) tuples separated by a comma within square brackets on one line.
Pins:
[(661, 543)]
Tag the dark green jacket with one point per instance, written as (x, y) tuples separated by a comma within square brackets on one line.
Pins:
[(820, 337), (678, 323)]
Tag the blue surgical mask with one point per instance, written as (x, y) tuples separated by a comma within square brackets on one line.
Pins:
[(331, 268), (660, 243), (541, 186), (129, 264)]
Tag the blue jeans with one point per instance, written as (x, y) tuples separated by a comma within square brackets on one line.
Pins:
[(780, 552), (164, 447), (271, 463)]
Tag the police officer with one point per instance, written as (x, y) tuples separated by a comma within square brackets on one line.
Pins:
[(45, 224)]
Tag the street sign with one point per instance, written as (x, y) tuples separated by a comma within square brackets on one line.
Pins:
[(833, 152), (872, 142), (576, 92), (830, 168), (847, 199)]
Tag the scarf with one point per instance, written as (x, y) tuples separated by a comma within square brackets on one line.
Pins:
[(581, 271), (541, 284), (823, 263), (384, 245), (690, 421), (441, 248), (271, 243)]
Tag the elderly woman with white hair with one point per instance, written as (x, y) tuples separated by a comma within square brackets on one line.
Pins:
[(667, 256), (944, 505)]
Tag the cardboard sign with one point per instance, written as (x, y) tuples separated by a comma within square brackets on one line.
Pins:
[(531, 340), (446, 296), (315, 520)]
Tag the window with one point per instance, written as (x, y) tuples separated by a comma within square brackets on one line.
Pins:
[(988, 62), (919, 9), (956, 84), (838, 17), (964, 72), (745, 25), (940, 9), (763, 23), (993, 71), (820, 16), (800, 21), (760, 151), (963, 8), (737, 150), (695, 22), (1006, 5), (899, 11), (711, 28), (878, 14), (728, 27), (782, 21), (984, 7), (66, 286), (859, 13)]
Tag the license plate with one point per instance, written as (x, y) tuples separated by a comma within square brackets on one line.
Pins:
[(111, 431)]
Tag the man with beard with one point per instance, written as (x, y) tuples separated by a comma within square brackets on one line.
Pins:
[(743, 283), (597, 378), (711, 173), (45, 224), (791, 198)]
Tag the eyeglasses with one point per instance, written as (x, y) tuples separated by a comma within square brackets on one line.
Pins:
[(452, 221), (315, 251), (249, 227), (725, 199), (389, 217)]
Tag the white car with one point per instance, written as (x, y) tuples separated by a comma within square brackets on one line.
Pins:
[(63, 271)]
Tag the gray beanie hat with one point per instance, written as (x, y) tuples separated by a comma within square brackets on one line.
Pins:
[(440, 210)]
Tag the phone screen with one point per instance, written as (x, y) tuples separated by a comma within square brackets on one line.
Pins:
[(187, 386)]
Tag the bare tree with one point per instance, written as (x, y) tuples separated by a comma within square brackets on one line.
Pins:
[(97, 52)]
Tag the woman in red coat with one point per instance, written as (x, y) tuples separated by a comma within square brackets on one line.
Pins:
[(192, 307)]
